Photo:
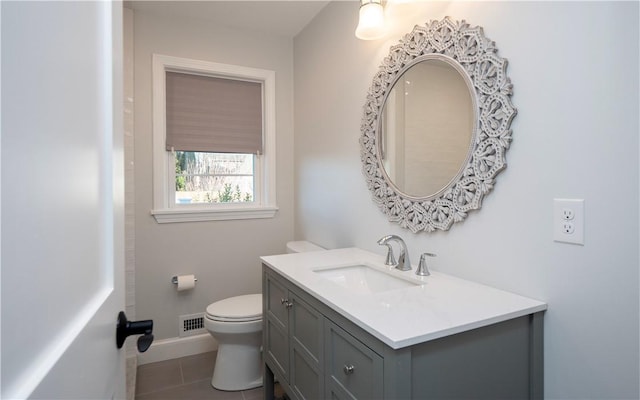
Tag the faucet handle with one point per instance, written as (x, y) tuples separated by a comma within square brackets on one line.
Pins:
[(422, 265)]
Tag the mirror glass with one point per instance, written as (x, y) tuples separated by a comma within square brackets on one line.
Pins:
[(426, 128)]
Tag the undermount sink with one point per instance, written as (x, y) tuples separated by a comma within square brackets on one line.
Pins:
[(364, 279)]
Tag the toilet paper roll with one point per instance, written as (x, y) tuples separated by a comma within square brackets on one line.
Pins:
[(186, 282)]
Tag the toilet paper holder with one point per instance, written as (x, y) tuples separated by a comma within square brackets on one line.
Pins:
[(174, 280)]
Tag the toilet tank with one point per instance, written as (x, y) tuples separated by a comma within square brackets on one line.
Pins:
[(302, 246)]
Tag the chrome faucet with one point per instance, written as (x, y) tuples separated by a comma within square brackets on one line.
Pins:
[(403, 263)]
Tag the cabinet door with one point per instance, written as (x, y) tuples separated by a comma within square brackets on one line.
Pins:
[(354, 371), (277, 298), (305, 324), (276, 327)]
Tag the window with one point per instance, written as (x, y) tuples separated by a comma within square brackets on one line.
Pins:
[(214, 157), (203, 178)]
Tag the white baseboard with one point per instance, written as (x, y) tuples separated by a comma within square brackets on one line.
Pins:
[(167, 349)]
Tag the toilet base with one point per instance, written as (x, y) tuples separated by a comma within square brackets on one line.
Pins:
[(238, 367), (250, 385)]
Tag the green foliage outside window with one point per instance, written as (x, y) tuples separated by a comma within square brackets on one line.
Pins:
[(228, 196), (180, 180), (202, 179)]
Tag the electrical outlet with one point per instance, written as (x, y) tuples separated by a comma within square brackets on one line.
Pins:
[(568, 221), (568, 228), (568, 214)]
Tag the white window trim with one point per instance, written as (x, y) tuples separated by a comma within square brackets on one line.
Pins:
[(164, 210)]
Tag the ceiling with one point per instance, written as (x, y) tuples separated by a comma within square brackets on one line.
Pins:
[(285, 18)]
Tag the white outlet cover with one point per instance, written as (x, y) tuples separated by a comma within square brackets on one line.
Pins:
[(560, 233)]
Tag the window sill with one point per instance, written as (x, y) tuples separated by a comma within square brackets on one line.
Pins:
[(191, 214)]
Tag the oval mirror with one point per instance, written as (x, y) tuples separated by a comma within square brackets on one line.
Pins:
[(427, 126), (429, 159)]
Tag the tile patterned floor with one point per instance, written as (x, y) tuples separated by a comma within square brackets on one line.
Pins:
[(185, 378)]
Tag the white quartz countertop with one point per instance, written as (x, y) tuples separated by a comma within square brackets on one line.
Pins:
[(438, 305)]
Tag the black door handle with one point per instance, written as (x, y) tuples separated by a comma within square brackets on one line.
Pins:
[(127, 328)]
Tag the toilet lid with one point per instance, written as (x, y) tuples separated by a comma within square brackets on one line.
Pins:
[(239, 308)]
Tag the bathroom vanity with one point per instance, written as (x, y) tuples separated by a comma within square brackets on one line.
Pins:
[(340, 324)]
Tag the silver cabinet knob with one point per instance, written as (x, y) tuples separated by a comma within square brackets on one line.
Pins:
[(286, 303), (348, 369)]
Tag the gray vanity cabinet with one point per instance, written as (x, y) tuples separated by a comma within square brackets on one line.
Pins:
[(276, 327), (316, 353), (311, 356), (293, 340)]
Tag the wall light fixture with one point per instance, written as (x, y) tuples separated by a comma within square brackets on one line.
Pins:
[(371, 20)]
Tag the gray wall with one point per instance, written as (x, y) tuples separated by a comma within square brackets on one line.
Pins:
[(574, 67), (224, 255)]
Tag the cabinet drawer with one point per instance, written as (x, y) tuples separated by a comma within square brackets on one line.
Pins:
[(352, 367)]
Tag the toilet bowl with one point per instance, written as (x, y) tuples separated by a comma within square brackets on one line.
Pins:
[(236, 324)]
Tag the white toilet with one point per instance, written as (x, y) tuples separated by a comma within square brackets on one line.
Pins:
[(236, 324)]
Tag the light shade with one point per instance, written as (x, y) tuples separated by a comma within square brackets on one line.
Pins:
[(371, 21)]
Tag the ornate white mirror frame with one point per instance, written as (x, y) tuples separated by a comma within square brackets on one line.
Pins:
[(477, 57)]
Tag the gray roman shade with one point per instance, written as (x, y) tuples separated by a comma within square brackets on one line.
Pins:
[(209, 114)]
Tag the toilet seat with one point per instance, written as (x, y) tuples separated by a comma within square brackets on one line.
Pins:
[(244, 308)]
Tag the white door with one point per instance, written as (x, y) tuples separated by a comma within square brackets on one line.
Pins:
[(62, 199)]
